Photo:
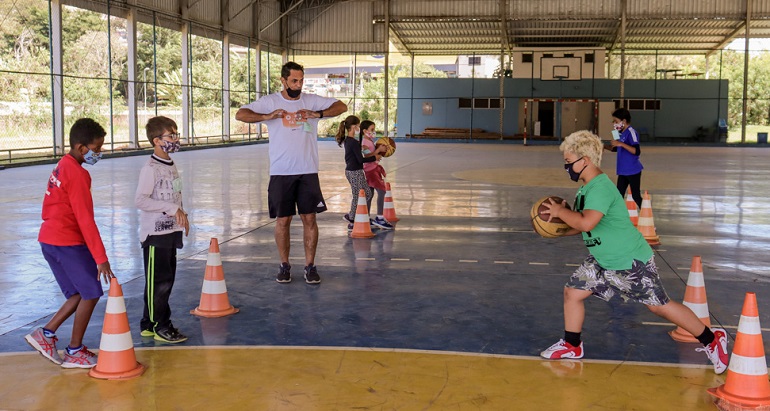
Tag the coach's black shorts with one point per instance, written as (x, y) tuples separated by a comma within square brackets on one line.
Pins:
[(288, 194)]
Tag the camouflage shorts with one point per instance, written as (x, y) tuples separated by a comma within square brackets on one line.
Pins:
[(641, 283)]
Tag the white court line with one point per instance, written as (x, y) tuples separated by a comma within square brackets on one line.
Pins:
[(262, 258), (732, 327), (662, 249), (503, 262), (536, 263), (572, 265), (330, 258), (365, 259), (434, 260), (400, 259), (469, 261)]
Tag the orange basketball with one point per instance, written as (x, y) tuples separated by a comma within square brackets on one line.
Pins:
[(539, 215), (388, 142)]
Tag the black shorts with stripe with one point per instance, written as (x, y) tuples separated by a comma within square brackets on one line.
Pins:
[(287, 195)]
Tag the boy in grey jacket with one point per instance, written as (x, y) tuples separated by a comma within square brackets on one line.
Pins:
[(162, 220)]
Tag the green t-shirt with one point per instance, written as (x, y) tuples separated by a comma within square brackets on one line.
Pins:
[(614, 242)]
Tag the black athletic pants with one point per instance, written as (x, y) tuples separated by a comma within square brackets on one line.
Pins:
[(159, 274), (635, 181)]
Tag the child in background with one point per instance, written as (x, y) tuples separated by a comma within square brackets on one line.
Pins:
[(620, 260), (628, 167), (375, 174), (72, 246), (162, 220), (354, 163)]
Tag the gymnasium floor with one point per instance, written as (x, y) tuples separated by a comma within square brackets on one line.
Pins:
[(448, 312)]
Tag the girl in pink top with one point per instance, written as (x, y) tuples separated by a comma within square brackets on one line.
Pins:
[(375, 174)]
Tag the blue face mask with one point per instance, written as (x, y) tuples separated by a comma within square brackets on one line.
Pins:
[(91, 158)]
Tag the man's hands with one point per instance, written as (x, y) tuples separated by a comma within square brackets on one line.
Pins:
[(306, 114)]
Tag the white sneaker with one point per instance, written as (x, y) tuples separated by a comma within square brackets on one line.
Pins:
[(563, 349)]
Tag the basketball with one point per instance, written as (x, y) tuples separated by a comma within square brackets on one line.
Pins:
[(539, 215), (388, 142)]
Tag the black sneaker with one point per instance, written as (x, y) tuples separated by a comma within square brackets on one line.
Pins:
[(169, 335), (350, 226), (347, 218), (284, 276), (311, 275)]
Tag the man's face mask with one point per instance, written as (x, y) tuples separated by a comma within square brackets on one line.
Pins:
[(293, 93)]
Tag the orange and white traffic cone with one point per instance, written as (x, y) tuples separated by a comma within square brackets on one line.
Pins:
[(117, 360), (214, 300), (389, 210), (747, 385), (361, 225), (694, 299), (646, 222), (633, 213)]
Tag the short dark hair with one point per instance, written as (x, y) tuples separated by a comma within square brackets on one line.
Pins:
[(622, 114), (288, 67), (156, 126), (85, 131)]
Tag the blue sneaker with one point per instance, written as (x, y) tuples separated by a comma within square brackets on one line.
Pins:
[(382, 223)]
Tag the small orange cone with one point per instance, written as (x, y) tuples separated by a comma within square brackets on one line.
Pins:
[(117, 360), (389, 211), (646, 223), (694, 299), (747, 385), (214, 301), (361, 225), (633, 213)]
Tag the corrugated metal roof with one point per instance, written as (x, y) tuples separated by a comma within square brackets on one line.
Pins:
[(463, 26)]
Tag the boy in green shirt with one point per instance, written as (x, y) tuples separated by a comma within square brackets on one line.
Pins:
[(620, 260)]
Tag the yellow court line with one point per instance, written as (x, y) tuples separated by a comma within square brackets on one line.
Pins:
[(536, 263), (469, 261), (503, 262), (378, 349), (400, 259), (434, 260), (365, 259)]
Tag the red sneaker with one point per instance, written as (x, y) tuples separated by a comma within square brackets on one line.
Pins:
[(563, 349), (717, 350)]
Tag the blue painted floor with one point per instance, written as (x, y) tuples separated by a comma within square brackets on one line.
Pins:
[(462, 271)]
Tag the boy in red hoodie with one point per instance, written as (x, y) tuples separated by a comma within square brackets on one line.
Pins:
[(72, 246)]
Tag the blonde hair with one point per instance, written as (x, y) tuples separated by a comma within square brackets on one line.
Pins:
[(584, 143)]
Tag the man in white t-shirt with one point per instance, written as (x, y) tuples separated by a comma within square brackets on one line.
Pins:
[(292, 121)]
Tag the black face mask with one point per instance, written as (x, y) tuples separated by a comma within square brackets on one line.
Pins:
[(293, 93), (572, 174)]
